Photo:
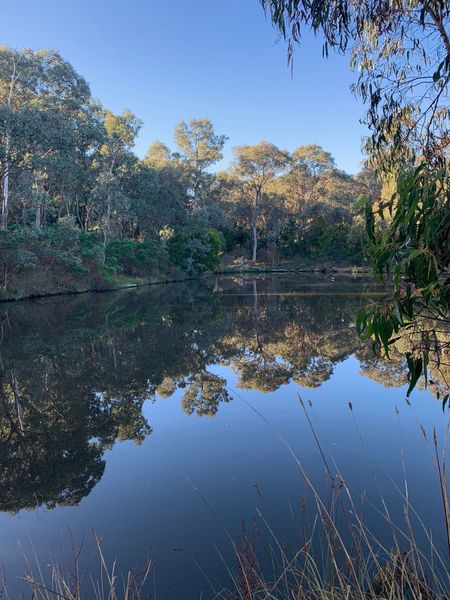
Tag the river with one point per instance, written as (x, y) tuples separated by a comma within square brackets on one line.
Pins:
[(172, 418)]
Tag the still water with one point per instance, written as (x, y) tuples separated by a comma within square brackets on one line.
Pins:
[(164, 418)]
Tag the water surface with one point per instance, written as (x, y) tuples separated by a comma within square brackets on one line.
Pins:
[(160, 418)]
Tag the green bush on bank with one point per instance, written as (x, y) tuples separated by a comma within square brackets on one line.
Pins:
[(341, 241), (62, 257), (195, 251)]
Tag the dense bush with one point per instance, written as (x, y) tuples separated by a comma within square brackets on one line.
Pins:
[(195, 251), (62, 256), (322, 240), (134, 258)]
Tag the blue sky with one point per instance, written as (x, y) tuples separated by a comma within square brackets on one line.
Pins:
[(174, 60)]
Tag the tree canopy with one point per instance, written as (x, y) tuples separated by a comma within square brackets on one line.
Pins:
[(401, 53), (81, 210)]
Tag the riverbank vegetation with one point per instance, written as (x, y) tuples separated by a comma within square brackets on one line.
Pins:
[(81, 211)]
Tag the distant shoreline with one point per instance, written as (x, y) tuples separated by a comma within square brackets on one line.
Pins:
[(240, 270)]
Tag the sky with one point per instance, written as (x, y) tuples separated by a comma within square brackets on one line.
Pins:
[(172, 60)]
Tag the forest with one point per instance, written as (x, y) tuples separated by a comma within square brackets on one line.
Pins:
[(80, 210)]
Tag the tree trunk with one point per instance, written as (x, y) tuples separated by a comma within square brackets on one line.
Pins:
[(107, 229), (38, 212), (254, 240), (108, 216), (5, 196), (254, 227)]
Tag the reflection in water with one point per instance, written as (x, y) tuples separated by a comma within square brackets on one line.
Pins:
[(75, 372)]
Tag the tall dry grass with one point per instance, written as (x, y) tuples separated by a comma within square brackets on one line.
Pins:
[(99, 582), (341, 558)]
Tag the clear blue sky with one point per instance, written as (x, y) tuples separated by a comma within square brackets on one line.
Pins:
[(172, 60)]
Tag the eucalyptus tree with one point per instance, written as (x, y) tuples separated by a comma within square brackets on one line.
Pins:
[(157, 197), (158, 155), (301, 182), (113, 165), (199, 148), (401, 51), (313, 159), (257, 166), (43, 102)]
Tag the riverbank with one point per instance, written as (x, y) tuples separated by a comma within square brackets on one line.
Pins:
[(290, 266), (24, 294), (41, 286)]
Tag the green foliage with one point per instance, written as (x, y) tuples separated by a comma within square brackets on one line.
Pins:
[(134, 258), (334, 242), (197, 250), (80, 210), (401, 51), (410, 236), (199, 148), (14, 257)]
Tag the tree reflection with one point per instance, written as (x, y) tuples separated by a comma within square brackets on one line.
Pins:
[(74, 373), (203, 394), (53, 436)]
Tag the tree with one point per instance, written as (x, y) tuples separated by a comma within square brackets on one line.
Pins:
[(81, 210), (158, 155), (402, 53), (42, 104), (414, 247), (195, 249), (157, 198), (113, 165), (199, 148), (302, 184), (313, 159), (257, 166)]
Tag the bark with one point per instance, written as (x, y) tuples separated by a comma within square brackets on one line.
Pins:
[(254, 226), (254, 240), (38, 212), (5, 195)]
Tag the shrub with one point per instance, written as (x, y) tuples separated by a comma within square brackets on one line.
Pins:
[(134, 258), (196, 251)]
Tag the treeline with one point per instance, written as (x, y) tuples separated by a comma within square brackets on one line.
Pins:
[(80, 208)]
